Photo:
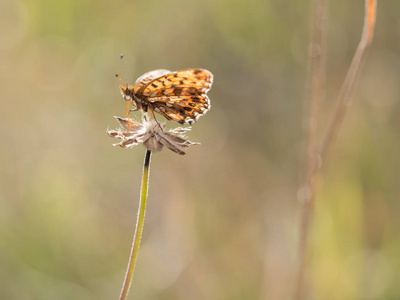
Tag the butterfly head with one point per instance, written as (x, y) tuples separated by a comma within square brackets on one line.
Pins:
[(126, 92), (128, 95)]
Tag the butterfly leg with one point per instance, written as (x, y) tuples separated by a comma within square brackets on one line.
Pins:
[(127, 109), (154, 117), (127, 114)]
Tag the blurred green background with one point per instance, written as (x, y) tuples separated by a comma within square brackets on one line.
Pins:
[(222, 220)]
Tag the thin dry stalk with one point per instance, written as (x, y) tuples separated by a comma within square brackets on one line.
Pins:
[(317, 75), (316, 82), (344, 100)]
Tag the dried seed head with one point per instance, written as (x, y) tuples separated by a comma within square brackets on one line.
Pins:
[(151, 134)]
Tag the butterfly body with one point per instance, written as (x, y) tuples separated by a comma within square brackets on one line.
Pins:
[(179, 96)]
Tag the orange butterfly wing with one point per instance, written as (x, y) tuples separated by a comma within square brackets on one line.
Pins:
[(181, 109), (148, 77), (179, 96)]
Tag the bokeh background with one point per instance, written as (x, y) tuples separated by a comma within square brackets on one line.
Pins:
[(222, 220)]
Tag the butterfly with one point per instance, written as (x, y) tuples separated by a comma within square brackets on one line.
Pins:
[(180, 96)]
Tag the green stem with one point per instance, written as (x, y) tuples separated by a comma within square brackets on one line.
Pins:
[(139, 227)]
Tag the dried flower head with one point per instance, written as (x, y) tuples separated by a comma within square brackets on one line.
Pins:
[(151, 134)]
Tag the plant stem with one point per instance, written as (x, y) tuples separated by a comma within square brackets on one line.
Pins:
[(316, 82), (139, 227), (344, 101), (314, 156)]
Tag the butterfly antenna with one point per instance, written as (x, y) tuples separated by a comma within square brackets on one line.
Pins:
[(119, 78), (123, 66)]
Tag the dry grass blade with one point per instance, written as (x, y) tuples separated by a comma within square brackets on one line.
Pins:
[(314, 157), (315, 92), (343, 100)]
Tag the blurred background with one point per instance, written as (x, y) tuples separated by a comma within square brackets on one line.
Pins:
[(222, 220)]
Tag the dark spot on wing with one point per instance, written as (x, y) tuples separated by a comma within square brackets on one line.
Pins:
[(195, 99)]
